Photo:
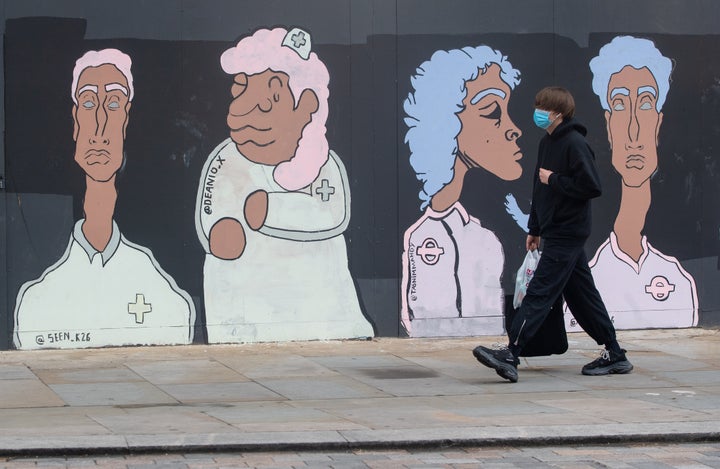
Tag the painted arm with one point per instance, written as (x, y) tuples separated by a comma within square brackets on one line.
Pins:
[(218, 214), (320, 211)]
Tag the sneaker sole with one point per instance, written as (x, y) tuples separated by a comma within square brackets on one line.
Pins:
[(619, 368), (503, 370)]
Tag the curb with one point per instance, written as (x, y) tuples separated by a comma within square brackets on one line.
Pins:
[(343, 441)]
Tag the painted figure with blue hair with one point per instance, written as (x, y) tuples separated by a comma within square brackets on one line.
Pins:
[(457, 119), (641, 286)]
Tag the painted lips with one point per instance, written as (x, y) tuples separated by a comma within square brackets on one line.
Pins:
[(97, 157), (635, 161)]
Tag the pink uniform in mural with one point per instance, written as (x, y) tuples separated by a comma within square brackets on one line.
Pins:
[(458, 120), (641, 286), (104, 290), (273, 203)]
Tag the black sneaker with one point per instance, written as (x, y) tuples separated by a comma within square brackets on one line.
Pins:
[(608, 362), (501, 360)]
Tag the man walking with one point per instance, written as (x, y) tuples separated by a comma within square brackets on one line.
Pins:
[(565, 182)]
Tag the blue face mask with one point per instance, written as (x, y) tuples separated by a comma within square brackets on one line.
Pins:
[(542, 119)]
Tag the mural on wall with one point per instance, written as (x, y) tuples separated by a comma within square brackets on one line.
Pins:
[(641, 286), (457, 115), (281, 260), (104, 290), (273, 203)]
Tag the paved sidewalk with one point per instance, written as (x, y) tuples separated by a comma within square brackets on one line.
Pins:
[(384, 393)]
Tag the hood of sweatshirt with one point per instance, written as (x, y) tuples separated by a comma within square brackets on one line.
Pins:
[(566, 126)]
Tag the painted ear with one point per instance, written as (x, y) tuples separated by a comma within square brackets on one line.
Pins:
[(607, 127), (308, 102), (657, 129), (76, 126)]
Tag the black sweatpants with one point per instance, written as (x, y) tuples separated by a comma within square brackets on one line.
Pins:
[(563, 270)]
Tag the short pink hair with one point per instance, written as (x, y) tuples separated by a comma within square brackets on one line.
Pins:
[(264, 50), (95, 58)]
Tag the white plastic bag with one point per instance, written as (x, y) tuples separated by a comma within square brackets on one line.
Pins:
[(524, 275)]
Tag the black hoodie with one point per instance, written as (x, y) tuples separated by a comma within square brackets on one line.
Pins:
[(561, 208)]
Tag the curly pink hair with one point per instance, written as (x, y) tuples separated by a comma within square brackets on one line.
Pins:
[(264, 50)]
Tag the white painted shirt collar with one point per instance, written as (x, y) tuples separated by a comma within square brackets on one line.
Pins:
[(110, 249)]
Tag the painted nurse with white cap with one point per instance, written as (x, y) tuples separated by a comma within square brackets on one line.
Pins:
[(273, 202)]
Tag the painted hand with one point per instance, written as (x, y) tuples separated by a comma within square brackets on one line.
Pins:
[(227, 239), (256, 207)]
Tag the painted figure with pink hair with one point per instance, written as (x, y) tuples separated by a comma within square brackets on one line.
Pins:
[(104, 290), (273, 203)]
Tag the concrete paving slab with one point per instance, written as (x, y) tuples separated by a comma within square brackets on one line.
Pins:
[(186, 371), (17, 393), (220, 392), (271, 416), (321, 388), (276, 366), (707, 377), (51, 422), (689, 398), (626, 410), (111, 394), (389, 382), (15, 372), (638, 379), (167, 419), (88, 375), (367, 361)]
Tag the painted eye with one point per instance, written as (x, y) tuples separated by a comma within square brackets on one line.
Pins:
[(646, 106), (114, 105), (88, 104), (618, 106), (492, 112)]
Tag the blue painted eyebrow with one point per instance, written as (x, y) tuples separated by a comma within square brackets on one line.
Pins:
[(647, 89), (483, 93), (620, 90)]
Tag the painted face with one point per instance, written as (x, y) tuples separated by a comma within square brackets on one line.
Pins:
[(488, 136), (263, 120), (633, 124), (100, 121)]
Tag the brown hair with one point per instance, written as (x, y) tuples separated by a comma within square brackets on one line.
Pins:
[(556, 99)]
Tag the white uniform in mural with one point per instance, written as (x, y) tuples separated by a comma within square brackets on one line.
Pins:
[(292, 280), (104, 291), (452, 266), (117, 297), (447, 282), (273, 203), (641, 287), (655, 292)]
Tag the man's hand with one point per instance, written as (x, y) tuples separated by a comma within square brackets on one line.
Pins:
[(532, 243), (544, 175)]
